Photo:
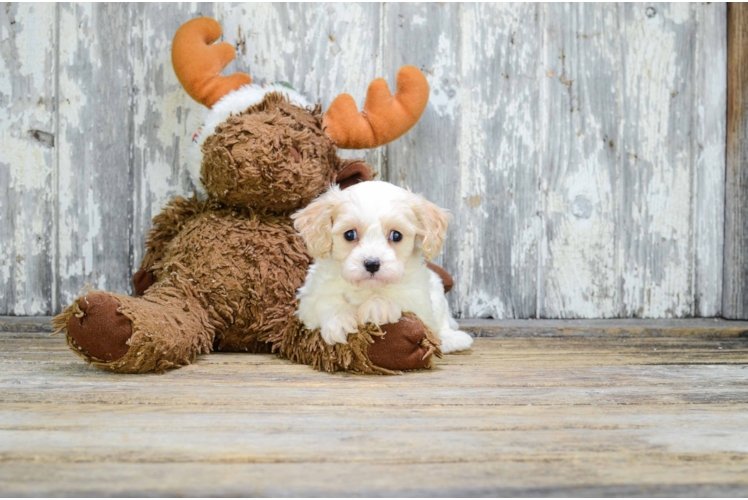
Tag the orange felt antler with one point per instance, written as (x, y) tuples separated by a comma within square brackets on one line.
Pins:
[(198, 64), (385, 117)]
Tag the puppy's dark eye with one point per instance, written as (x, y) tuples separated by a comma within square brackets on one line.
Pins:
[(350, 235), (395, 236)]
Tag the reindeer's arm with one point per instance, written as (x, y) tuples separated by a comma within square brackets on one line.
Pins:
[(166, 226)]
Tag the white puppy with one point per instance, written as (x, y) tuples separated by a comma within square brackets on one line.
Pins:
[(369, 243)]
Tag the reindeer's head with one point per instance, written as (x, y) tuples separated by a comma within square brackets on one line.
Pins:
[(266, 146)]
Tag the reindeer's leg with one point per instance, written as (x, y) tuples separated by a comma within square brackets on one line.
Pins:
[(405, 345), (165, 329)]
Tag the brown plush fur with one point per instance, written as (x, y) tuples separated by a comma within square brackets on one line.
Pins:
[(275, 156), (227, 268)]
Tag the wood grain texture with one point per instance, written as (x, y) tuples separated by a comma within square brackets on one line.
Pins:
[(27, 158), (634, 180), (655, 236), (580, 147), (708, 157), (519, 416), (95, 177), (735, 300), (579, 271)]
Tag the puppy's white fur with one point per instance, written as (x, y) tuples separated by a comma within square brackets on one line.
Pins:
[(339, 292)]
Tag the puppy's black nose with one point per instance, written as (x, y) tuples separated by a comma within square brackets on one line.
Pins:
[(371, 265)]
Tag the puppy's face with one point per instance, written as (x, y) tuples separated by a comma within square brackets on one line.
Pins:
[(372, 229)]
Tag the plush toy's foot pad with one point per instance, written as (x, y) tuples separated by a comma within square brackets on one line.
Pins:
[(142, 281), (102, 331), (404, 346)]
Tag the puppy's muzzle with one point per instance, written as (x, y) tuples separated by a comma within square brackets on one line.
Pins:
[(371, 265)]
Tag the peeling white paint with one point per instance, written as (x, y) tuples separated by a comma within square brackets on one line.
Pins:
[(30, 49), (418, 20), (581, 147), (445, 88), (26, 157)]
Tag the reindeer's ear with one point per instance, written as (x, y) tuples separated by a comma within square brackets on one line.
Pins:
[(352, 172), (314, 223)]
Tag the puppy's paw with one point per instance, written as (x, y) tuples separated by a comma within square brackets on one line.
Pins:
[(337, 329), (380, 311), (454, 340)]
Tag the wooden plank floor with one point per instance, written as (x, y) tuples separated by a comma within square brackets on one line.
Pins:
[(543, 409)]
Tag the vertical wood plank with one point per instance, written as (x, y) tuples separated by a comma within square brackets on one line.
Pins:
[(735, 299), (427, 158), (580, 160), (655, 237), (164, 116), (96, 130), (27, 158), (322, 50), (497, 224), (709, 136)]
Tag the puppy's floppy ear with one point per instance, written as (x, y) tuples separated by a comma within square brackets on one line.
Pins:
[(314, 223), (433, 221)]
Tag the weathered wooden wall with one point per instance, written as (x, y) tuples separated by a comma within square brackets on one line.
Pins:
[(581, 147), (735, 295)]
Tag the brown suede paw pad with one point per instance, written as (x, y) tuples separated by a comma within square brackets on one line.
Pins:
[(142, 281), (101, 331), (404, 346)]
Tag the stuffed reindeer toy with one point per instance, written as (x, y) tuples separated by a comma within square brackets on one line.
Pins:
[(221, 270)]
